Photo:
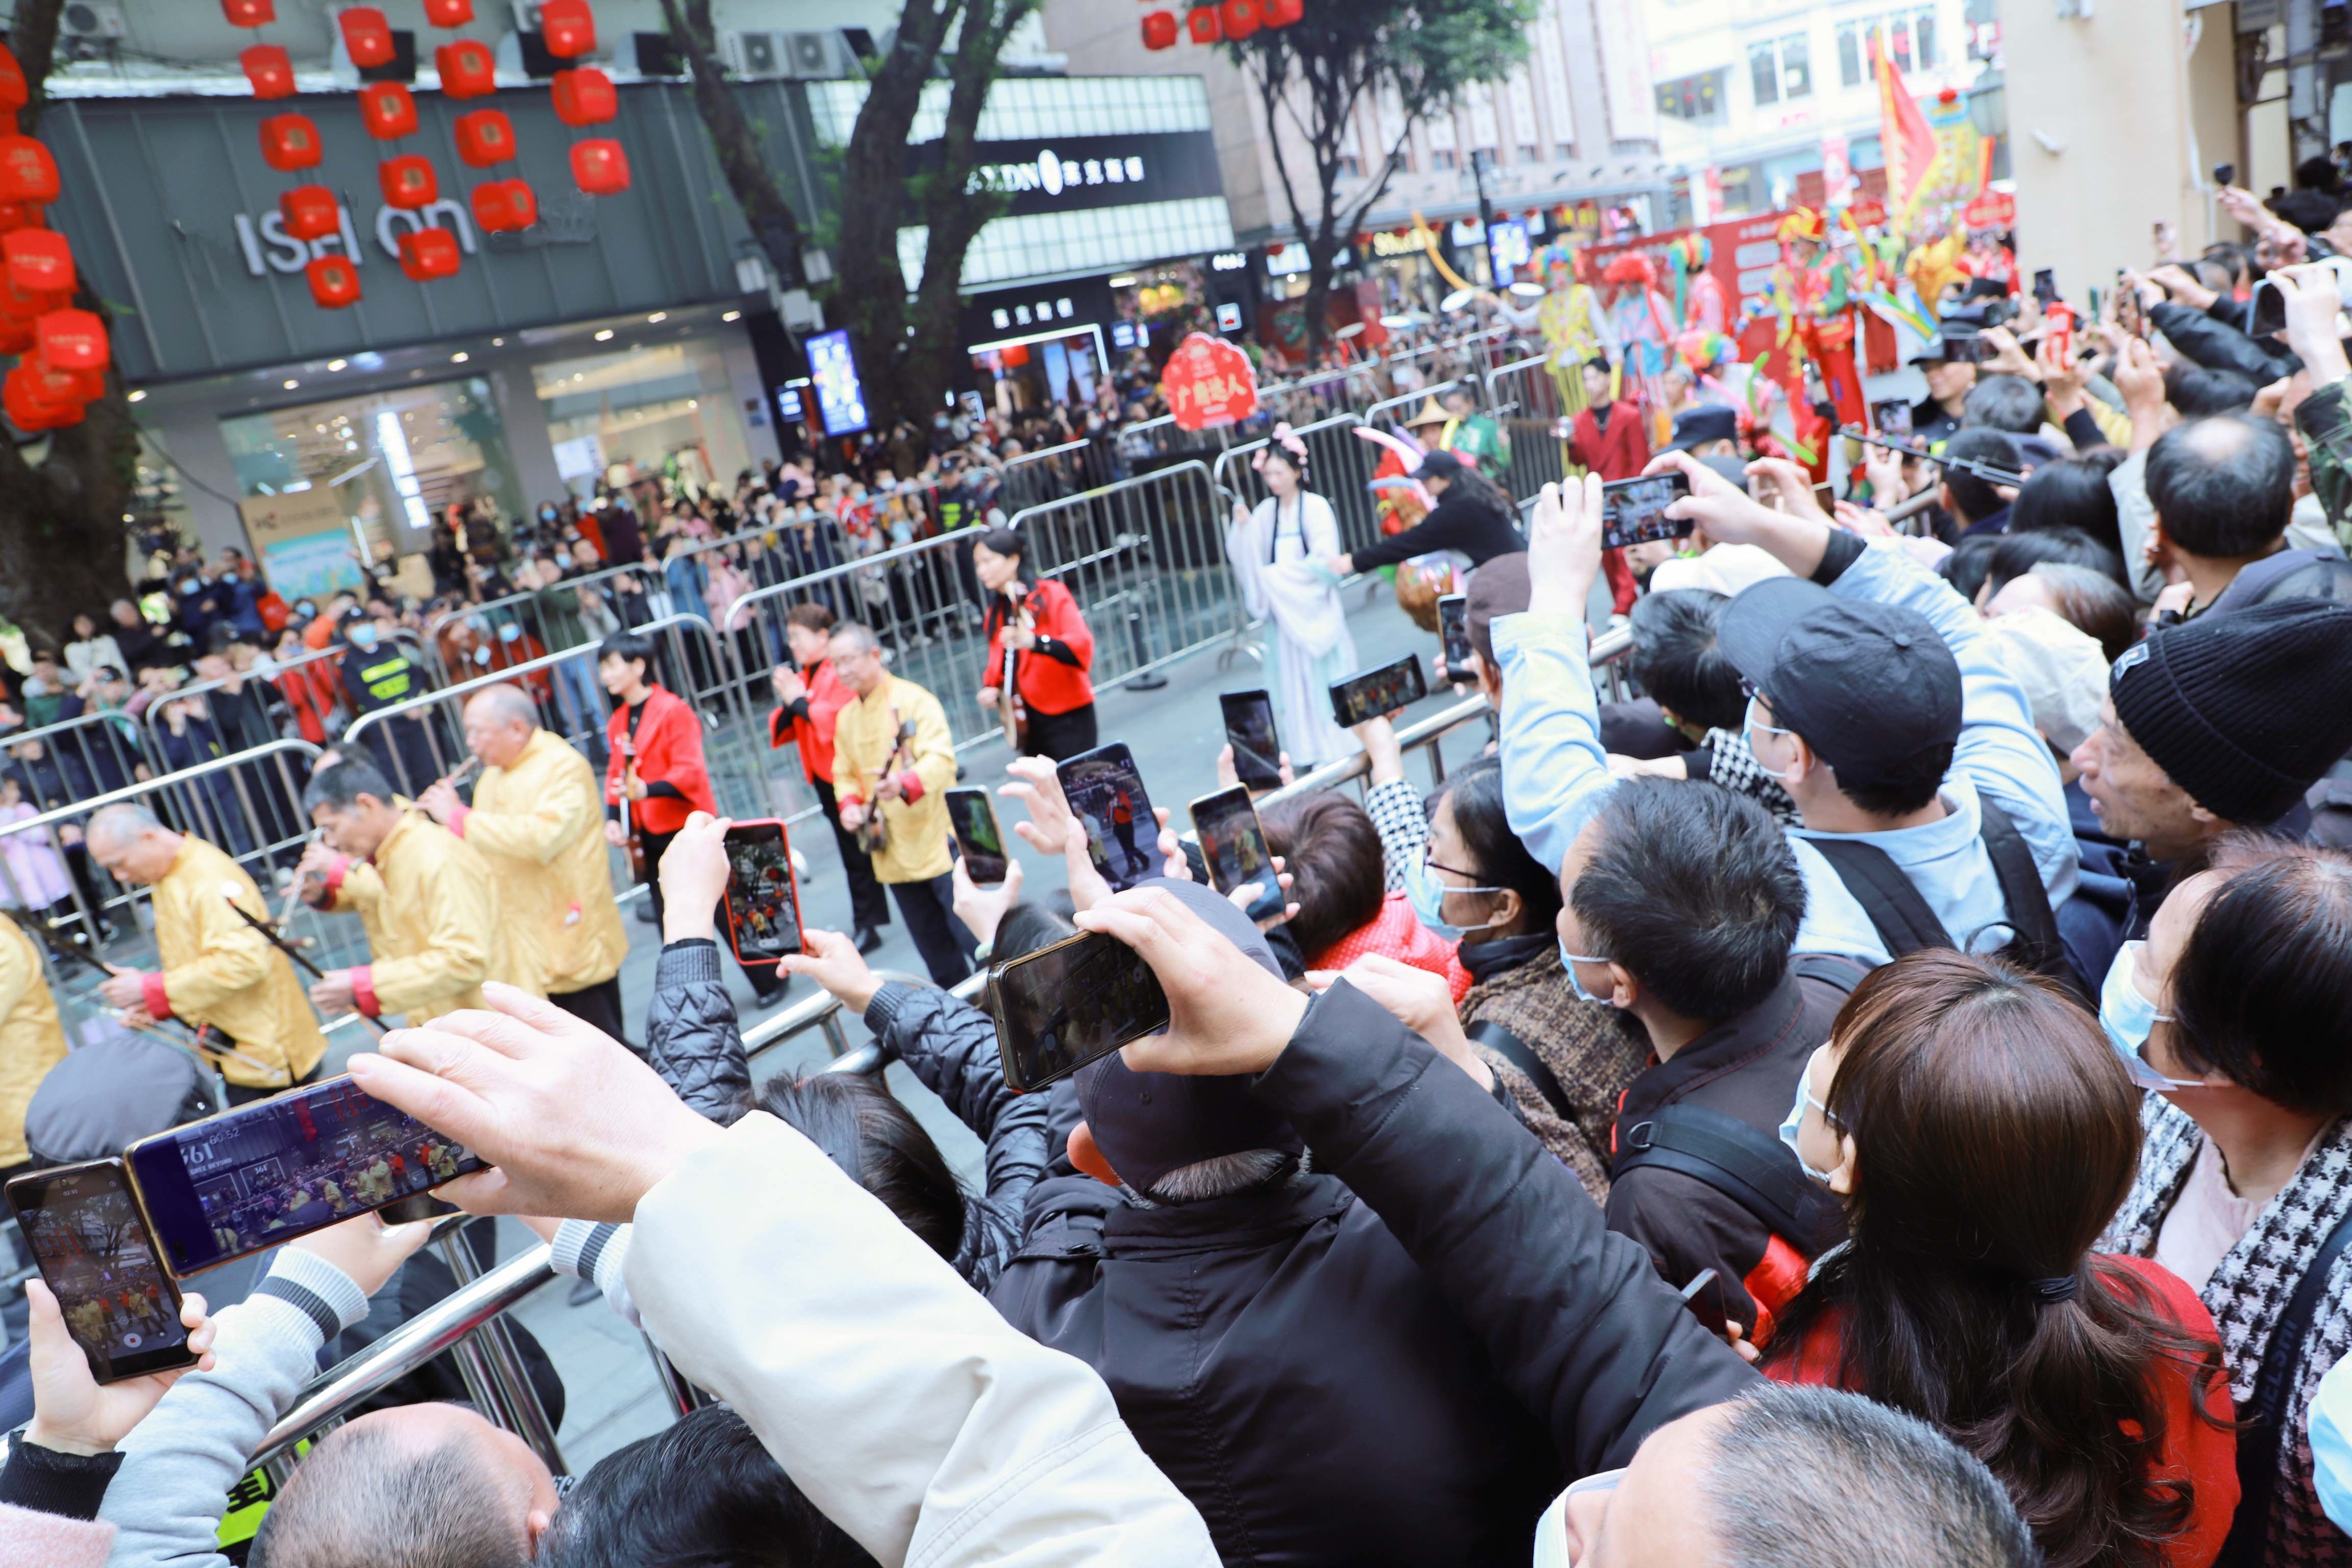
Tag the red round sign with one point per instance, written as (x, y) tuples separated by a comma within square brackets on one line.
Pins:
[(1209, 382)]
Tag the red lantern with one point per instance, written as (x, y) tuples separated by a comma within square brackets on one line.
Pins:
[(367, 37), (584, 96), (466, 69), (309, 212), (428, 253), (13, 92), (73, 341), (1281, 13), (568, 28), (387, 109), (448, 13), (27, 173), (249, 13), (25, 395), (289, 141), (38, 261), (501, 207), (54, 383), (15, 337), (270, 71), (600, 166), (408, 180), (485, 137), (334, 281), (15, 215), (1239, 18), (28, 304), (1160, 30), (1201, 23)]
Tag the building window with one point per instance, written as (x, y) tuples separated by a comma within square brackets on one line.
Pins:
[(1850, 68), (1442, 158), (1697, 99), (1350, 167), (1796, 67), (1908, 38), (1563, 148), (1529, 153), (1763, 69), (1923, 39)]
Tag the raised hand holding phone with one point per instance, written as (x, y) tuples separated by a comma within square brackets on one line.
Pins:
[(1227, 1014), (73, 1412), (1564, 545)]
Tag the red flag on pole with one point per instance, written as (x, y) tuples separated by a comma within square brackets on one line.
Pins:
[(1910, 146)]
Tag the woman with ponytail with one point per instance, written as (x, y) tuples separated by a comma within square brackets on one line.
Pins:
[(1981, 1132)]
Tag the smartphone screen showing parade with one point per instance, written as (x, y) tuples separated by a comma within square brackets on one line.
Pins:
[(1249, 730), (1633, 512), (97, 1258), (1234, 844), (1106, 796), (266, 1172), (763, 906), (1394, 685), (973, 817), (1062, 1006), (1453, 629)]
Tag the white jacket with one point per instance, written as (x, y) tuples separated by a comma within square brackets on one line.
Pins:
[(920, 1421)]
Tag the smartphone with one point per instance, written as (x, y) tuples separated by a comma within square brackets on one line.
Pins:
[(99, 1260), (1249, 730), (764, 906), (282, 1167), (1892, 419), (1453, 629), (2045, 285), (2131, 316), (1633, 512), (1825, 497), (2225, 173), (1234, 844), (1967, 349), (1394, 685), (1704, 1297), (1106, 794), (973, 817), (2059, 319), (1062, 1006)]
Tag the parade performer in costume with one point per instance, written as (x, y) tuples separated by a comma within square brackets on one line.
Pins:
[(1573, 325), (1812, 287), (1277, 552), (1700, 306), (1607, 438)]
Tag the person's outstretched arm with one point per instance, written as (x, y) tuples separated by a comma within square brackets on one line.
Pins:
[(1554, 768)]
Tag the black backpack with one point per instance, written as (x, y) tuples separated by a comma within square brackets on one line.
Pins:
[(1905, 922)]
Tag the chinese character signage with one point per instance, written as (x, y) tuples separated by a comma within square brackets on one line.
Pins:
[(1209, 382), (840, 399)]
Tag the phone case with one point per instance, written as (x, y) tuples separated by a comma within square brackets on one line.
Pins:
[(791, 885)]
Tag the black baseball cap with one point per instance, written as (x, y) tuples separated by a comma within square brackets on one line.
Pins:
[(1871, 687), (1708, 422), (1439, 464)]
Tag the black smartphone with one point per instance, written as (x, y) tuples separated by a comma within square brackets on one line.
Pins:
[(1633, 512), (96, 1255), (1453, 629), (282, 1167), (2131, 316), (1704, 1297), (1892, 419), (973, 817), (1397, 684), (763, 903), (1106, 794), (1062, 1006), (2225, 173), (1249, 730), (1969, 348), (2269, 310), (2045, 284), (1234, 844)]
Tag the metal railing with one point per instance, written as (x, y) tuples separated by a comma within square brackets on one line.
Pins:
[(93, 751), (1532, 401), (1339, 468)]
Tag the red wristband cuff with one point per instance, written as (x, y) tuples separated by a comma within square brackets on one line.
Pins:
[(911, 786), (363, 995), (334, 880), (457, 820), (152, 997)]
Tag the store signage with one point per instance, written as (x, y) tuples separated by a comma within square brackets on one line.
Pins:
[(840, 396), (1052, 174), (1209, 382), (1004, 318), (1993, 209), (1073, 172), (1229, 317), (1228, 261), (1389, 243), (267, 248)]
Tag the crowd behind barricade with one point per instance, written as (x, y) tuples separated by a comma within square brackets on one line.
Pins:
[(1870, 1088)]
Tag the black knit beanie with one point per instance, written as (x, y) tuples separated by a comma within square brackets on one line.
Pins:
[(2244, 709)]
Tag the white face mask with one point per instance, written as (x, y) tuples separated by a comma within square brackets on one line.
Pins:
[(1790, 1127), (1749, 729), (2127, 1016)]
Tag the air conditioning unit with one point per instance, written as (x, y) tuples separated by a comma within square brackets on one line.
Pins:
[(756, 56), (815, 56), (90, 19)]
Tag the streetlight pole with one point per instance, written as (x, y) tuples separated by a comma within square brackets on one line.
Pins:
[(1481, 159)]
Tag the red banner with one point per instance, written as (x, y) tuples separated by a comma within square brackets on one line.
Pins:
[(1209, 382)]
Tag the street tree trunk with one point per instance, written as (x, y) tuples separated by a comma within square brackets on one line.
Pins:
[(741, 159), (66, 545)]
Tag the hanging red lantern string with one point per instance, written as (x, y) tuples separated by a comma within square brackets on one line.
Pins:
[(367, 37)]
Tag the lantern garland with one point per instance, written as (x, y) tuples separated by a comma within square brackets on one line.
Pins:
[(1219, 21), (62, 353)]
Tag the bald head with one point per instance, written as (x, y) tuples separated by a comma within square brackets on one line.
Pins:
[(500, 722), (2223, 486), (132, 843), (419, 1486)]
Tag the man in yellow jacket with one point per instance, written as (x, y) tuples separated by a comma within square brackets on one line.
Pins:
[(31, 1041), (428, 898), (892, 755), (217, 969), (538, 817)]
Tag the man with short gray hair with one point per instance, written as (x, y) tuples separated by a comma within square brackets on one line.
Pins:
[(215, 968)]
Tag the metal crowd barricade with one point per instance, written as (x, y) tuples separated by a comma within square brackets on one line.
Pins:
[(93, 753), (1340, 465), (1034, 477), (1527, 396), (474, 1309)]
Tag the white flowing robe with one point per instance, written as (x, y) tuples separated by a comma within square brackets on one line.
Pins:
[(1279, 561)]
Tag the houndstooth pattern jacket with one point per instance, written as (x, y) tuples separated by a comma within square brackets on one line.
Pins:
[(2248, 1292)]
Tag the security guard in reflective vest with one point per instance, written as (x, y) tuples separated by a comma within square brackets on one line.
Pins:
[(377, 674)]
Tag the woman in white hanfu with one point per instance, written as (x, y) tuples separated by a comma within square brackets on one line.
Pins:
[(1277, 553)]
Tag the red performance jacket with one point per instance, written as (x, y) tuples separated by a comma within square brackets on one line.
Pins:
[(813, 733), (669, 751), (1620, 452), (1047, 684)]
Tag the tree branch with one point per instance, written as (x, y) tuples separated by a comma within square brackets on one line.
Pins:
[(742, 160)]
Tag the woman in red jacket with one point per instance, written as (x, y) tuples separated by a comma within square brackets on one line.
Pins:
[(1981, 1131), (810, 698), (1049, 643), (1607, 438)]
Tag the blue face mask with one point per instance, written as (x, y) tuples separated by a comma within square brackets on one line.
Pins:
[(363, 636), (1427, 895), (1569, 961), (1797, 1119), (2127, 1016)]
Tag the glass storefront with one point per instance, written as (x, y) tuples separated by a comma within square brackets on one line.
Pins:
[(666, 410)]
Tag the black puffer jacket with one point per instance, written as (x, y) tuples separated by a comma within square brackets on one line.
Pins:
[(690, 1033), (2217, 345), (950, 1046)]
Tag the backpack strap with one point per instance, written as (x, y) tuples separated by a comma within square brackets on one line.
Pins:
[(1727, 1155), (2265, 1421), (2034, 941), (1521, 1055), (1834, 970), (1896, 911)]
